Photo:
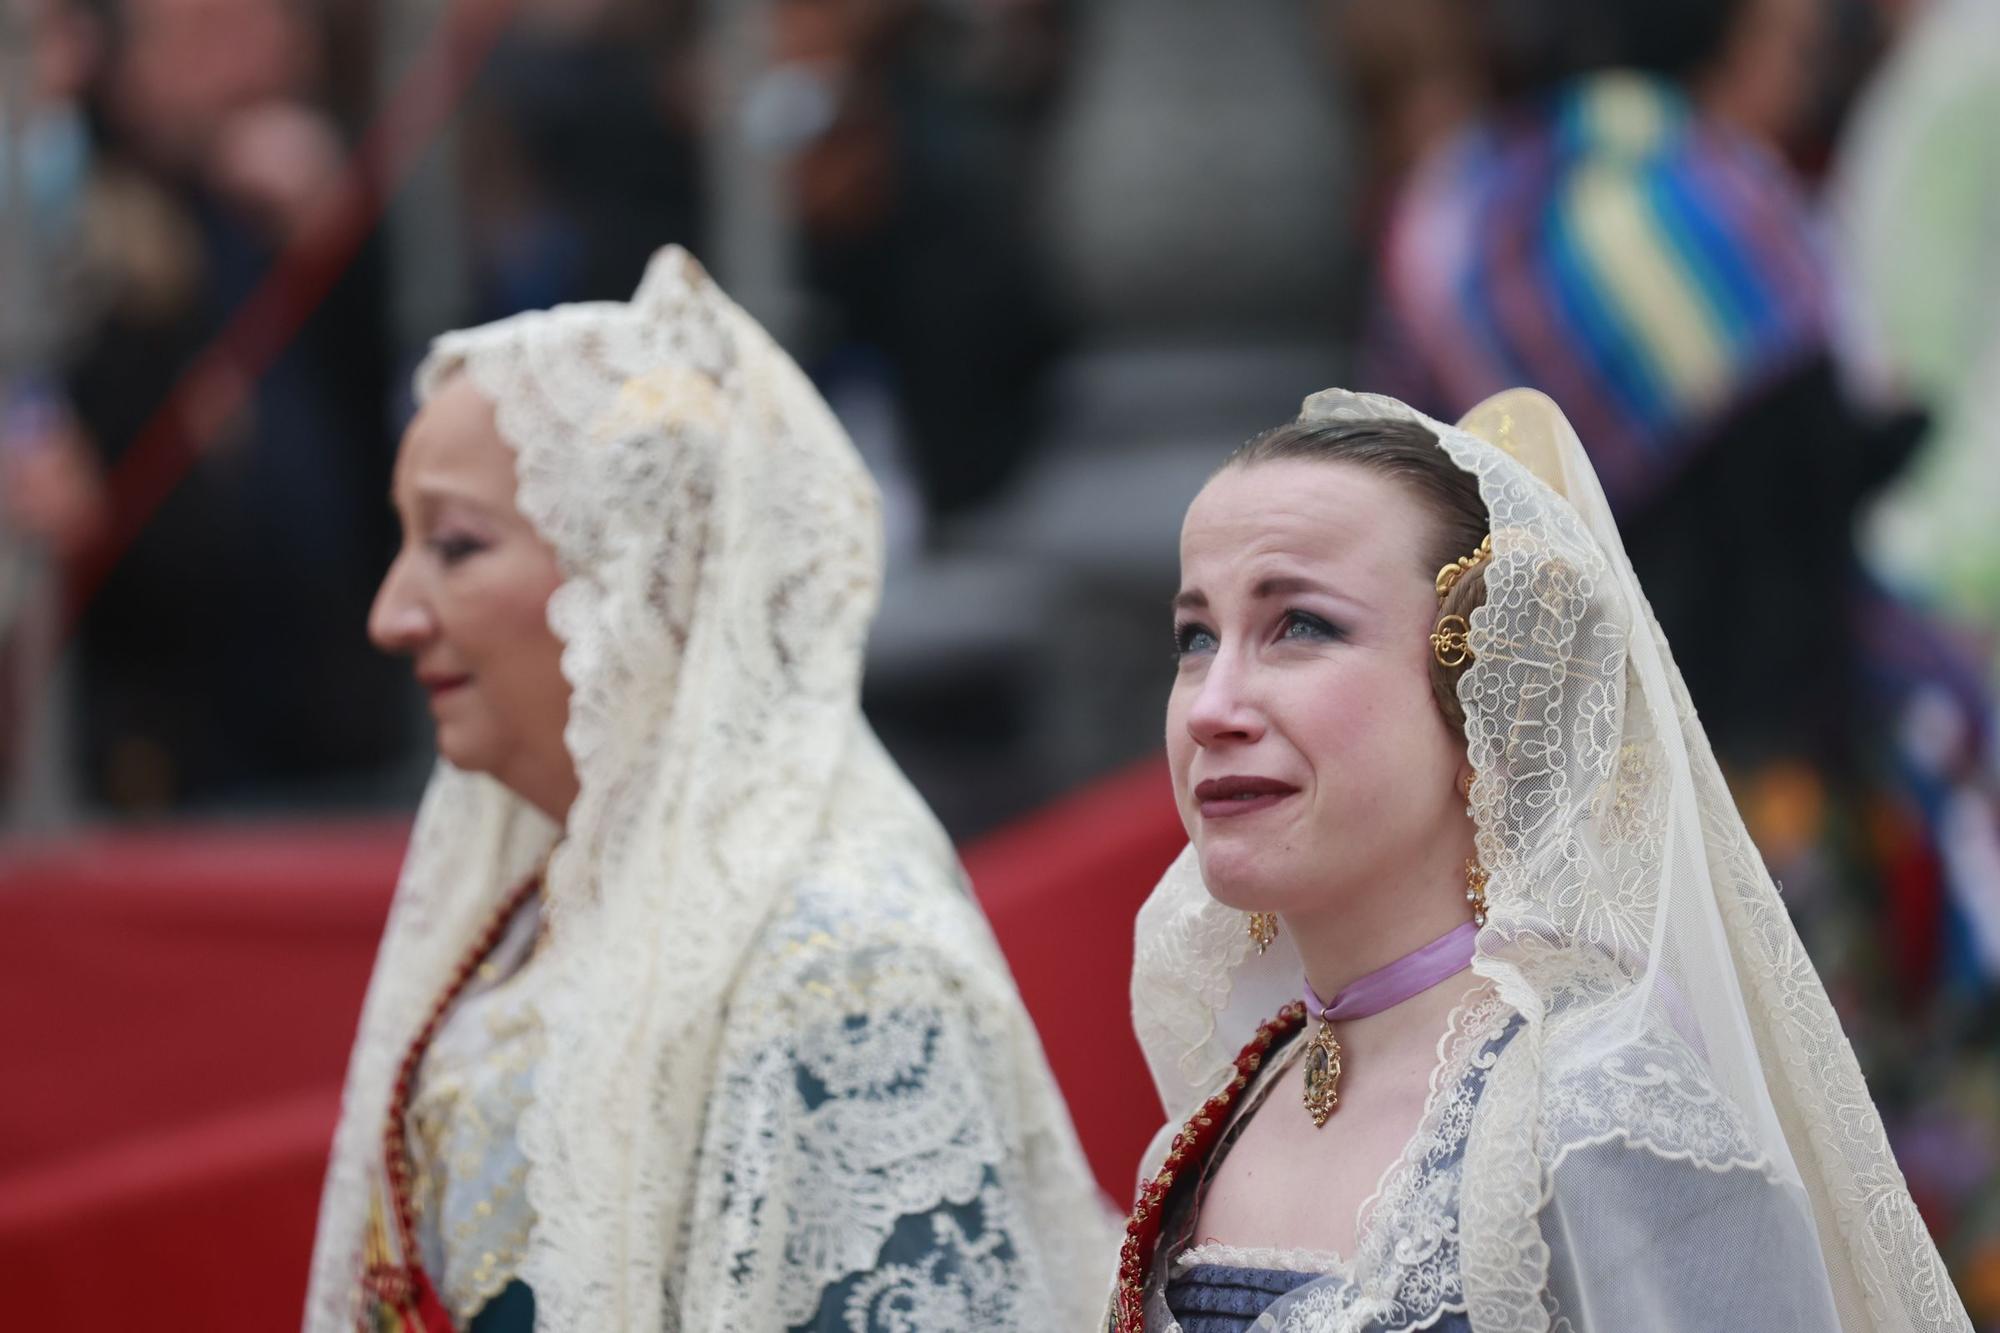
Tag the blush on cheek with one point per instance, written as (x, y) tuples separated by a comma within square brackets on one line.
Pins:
[(1177, 775), (1186, 807)]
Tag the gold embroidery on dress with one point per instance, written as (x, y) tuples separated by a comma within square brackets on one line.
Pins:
[(470, 1179)]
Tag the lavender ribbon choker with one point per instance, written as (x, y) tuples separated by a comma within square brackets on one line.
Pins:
[(1412, 974), (1384, 988)]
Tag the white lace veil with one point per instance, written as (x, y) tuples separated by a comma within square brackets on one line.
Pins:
[(721, 549), (1677, 1135)]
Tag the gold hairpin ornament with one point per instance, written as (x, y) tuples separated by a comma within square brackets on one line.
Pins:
[(1449, 576), (1450, 643)]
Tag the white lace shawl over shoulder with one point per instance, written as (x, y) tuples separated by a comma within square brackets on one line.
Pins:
[(780, 1042), (1677, 1135), (879, 1081)]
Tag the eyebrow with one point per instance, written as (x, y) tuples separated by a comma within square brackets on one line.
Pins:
[(430, 492), (1278, 585), (1284, 585)]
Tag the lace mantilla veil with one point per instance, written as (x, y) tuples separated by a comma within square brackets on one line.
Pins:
[(1677, 1135), (749, 903)]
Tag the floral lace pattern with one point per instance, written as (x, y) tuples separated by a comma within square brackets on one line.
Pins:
[(1658, 1099), (956, 1268), (875, 1073)]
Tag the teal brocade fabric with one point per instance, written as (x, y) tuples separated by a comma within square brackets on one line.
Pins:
[(512, 1311)]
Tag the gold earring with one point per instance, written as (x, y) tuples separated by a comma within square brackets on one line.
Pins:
[(1263, 929), (1475, 891), (1465, 785)]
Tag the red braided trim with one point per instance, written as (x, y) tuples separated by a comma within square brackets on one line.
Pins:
[(414, 1291), (1190, 1146)]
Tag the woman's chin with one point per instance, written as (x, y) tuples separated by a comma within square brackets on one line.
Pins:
[(461, 751), (1234, 884)]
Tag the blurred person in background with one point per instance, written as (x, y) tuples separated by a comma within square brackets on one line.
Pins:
[(49, 491), (580, 151), (917, 135), (1414, 74), (685, 1017), (221, 662), (51, 499), (910, 132), (1915, 203), (1622, 230)]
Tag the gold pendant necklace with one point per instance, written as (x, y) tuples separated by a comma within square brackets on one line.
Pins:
[(1322, 1062), (1384, 988)]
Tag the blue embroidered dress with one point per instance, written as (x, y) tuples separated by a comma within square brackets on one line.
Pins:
[(1211, 1288)]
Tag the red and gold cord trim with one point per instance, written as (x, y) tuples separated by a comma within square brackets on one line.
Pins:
[(404, 1288), (1190, 1146)]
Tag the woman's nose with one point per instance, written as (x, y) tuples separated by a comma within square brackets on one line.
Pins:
[(1223, 709), (399, 622)]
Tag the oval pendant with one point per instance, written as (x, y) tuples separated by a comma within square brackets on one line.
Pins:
[(1322, 1062)]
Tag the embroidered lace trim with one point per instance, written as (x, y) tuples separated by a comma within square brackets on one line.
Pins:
[(1281, 1261)]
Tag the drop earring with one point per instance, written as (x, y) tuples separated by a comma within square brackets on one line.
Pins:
[(1475, 891), (1263, 929)]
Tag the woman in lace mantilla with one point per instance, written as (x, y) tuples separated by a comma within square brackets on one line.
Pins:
[(684, 1019), (1470, 1004)]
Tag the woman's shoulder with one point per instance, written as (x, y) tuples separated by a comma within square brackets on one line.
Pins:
[(1654, 1093), (1660, 1196)]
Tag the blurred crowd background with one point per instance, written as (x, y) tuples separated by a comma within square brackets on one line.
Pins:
[(1050, 260)]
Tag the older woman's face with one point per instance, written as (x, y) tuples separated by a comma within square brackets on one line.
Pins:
[(467, 600), (1308, 755)]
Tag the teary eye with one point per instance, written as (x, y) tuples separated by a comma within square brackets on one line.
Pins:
[(1192, 637), (1305, 625)]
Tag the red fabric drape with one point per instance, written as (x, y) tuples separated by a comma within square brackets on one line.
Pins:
[(176, 1008)]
